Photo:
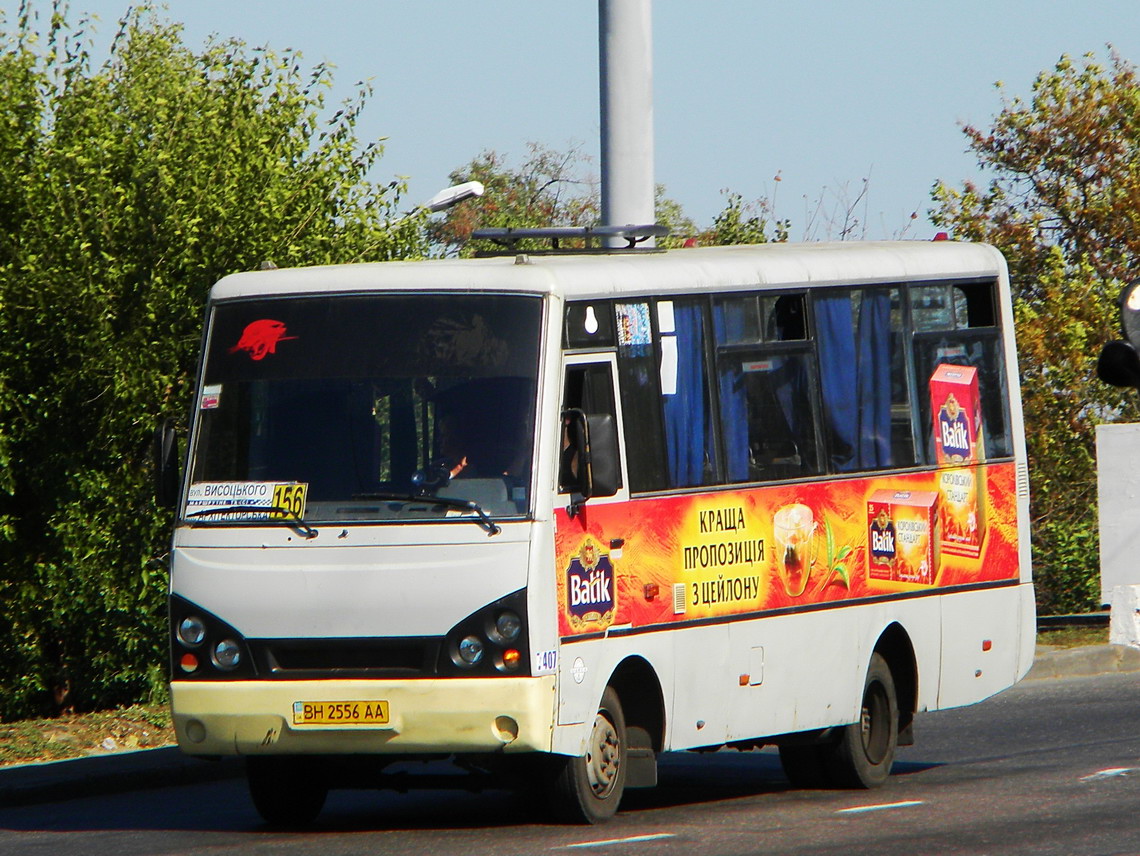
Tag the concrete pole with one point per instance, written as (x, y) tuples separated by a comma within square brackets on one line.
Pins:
[(625, 35)]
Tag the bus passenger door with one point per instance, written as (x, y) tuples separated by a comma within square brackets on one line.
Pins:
[(589, 384), (589, 538)]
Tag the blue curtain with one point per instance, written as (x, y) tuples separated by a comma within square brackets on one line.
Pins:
[(875, 379), (728, 322), (685, 431), (855, 378), (838, 378)]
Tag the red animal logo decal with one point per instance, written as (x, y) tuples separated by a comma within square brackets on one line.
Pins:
[(260, 338)]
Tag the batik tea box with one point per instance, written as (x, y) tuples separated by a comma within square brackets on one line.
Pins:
[(958, 441), (904, 534), (957, 411), (963, 510)]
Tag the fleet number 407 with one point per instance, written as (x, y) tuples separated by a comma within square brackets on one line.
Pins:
[(545, 661)]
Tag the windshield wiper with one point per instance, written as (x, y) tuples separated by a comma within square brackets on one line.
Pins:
[(448, 501), (293, 522)]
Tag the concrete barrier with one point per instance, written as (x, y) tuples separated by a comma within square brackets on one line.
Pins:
[(1124, 617)]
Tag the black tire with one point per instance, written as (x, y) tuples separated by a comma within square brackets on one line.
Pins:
[(805, 766), (287, 792), (588, 789), (865, 751)]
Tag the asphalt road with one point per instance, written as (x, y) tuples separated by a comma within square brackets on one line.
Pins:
[(1050, 767)]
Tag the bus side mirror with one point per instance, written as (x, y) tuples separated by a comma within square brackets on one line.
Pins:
[(590, 456), (166, 476)]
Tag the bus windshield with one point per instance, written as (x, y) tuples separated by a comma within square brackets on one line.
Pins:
[(366, 407)]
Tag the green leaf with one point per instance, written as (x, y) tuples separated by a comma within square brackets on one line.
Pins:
[(841, 572), (830, 542)]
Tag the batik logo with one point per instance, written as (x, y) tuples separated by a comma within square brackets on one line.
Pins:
[(590, 588)]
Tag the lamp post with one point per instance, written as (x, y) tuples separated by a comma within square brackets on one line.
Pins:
[(626, 72)]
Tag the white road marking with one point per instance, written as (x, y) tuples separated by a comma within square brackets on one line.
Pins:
[(1111, 772), (657, 836), (862, 809)]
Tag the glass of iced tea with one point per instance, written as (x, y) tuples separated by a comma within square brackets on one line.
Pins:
[(794, 530)]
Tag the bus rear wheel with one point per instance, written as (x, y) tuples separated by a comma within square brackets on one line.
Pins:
[(862, 753), (588, 789), (805, 766), (865, 751), (287, 792)]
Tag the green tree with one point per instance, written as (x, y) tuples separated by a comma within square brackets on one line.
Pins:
[(549, 188), (741, 222), (669, 213), (126, 190), (1063, 205), (1063, 402)]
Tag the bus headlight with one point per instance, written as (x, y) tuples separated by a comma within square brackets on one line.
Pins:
[(227, 654), (470, 650), (203, 647), (490, 641), (191, 631), (507, 626)]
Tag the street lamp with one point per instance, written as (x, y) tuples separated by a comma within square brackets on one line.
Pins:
[(453, 196), (443, 200)]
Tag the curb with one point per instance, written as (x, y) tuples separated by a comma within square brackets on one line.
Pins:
[(55, 781), (1081, 662)]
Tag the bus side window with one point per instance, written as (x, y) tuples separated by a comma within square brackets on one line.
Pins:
[(863, 379), (639, 382), (766, 380), (689, 441), (956, 323), (588, 387)]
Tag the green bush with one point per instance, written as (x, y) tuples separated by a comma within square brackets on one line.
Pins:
[(126, 190), (1067, 562)]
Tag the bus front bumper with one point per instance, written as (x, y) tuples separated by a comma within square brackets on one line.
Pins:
[(423, 716)]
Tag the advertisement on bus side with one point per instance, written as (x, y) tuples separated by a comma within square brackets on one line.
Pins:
[(665, 560)]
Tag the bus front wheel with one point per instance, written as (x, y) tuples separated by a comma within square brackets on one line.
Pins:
[(287, 792), (588, 788)]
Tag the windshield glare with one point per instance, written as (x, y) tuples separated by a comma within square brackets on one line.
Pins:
[(374, 404)]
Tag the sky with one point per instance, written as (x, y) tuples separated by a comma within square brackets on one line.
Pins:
[(824, 94)]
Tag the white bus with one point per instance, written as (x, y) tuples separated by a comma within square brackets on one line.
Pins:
[(550, 515)]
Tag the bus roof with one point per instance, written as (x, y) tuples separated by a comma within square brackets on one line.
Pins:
[(592, 276)]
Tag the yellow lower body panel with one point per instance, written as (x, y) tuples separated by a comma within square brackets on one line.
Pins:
[(423, 716)]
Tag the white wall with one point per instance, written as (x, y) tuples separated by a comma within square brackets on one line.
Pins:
[(1118, 492)]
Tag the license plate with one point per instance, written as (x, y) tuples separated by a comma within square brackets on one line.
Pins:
[(340, 713)]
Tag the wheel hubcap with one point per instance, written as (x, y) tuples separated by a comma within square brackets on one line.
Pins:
[(873, 723), (603, 757)]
